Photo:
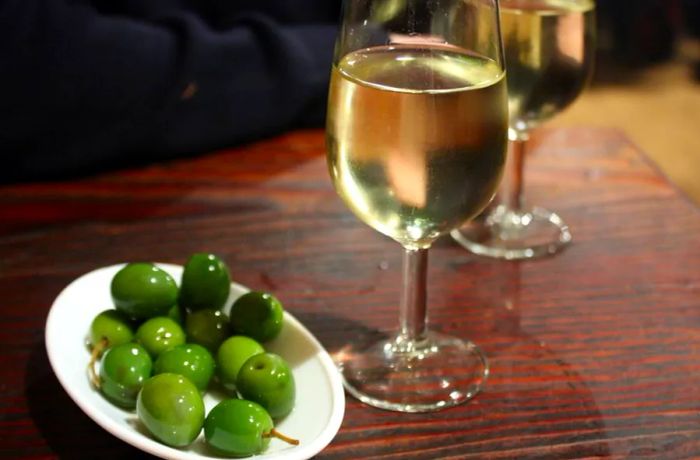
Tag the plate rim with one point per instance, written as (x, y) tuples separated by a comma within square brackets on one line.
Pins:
[(151, 446)]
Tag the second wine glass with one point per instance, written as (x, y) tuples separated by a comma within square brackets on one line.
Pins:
[(549, 47), (416, 134)]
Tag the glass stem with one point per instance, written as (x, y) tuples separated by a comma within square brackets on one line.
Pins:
[(413, 312), (515, 199)]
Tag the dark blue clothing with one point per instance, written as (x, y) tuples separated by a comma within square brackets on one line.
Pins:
[(94, 85)]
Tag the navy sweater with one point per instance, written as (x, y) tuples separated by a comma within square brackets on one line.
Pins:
[(95, 85)]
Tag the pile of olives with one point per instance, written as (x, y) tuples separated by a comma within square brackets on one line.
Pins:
[(162, 347)]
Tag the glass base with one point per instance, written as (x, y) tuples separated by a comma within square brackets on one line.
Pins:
[(406, 376), (514, 235)]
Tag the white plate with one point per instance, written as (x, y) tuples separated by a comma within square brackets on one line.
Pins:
[(320, 401)]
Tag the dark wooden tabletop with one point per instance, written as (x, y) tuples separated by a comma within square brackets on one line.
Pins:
[(594, 352)]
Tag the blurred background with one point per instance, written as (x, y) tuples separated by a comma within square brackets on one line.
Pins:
[(647, 83)]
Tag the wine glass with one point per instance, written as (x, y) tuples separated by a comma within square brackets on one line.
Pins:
[(416, 136), (549, 48)]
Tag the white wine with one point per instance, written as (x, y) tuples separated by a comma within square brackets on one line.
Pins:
[(416, 137), (549, 48)]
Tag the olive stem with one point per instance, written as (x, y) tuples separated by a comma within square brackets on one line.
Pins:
[(276, 434), (96, 352)]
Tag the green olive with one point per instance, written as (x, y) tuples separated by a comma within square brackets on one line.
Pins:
[(231, 355), (189, 360), (172, 409), (142, 290), (267, 380), (238, 428), (207, 327), (112, 326), (206, 283), (258, 315), (123, 371), (159, 334)]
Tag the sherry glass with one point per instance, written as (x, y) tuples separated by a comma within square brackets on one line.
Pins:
[(416, 136), (549, 48)]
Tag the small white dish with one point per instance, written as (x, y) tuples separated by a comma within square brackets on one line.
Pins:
[(320, 400)]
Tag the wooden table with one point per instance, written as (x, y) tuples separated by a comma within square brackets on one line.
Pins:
[(594, 353)]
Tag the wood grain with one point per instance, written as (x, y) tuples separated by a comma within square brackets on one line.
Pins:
[(594, 353)]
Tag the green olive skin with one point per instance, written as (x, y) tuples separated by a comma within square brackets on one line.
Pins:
[(142, 290), (177, 314), (232, 354), (207, 327), (238, 428), (206, 283), (159, 334), (112, 326), (258, 315), (172, 409), (267, 380), (189, 360), (123, 370)]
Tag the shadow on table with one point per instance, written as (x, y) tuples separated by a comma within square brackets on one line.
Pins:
[(532, 385), (342, 331), (534, 401), (66, 430)]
